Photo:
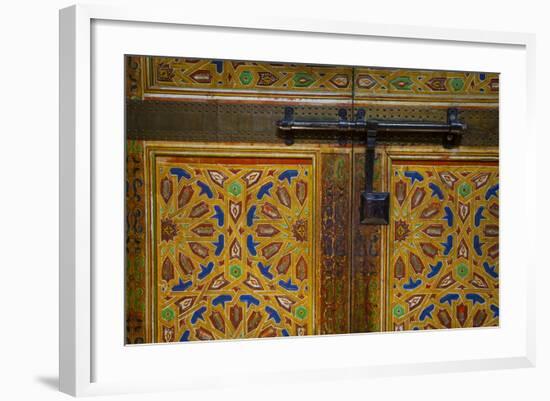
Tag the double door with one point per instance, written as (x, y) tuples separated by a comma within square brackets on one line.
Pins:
[(250, 240)]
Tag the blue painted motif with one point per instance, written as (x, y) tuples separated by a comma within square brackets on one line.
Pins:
[(265, 270), (427, 312), (449, 298), (475, 298), (411, 285), (447, 245), (490, 270), (182, 286), (287, 285), (449, 216), (221, 300), (219, 215), (205, 270), (436, 191), (219, 245), (251, 245), (272, 313), (495, 310), (288, 175), (249, 300), (179, 172), (264, 190), (492, 192), (435, 269), (479, 216), (219, 65), (185, 336), (414, 176), (250, 216), (198, 315), (205, 189), (477, 245)]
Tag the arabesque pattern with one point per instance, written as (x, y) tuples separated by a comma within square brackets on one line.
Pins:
[(444, 248), (135, 272), (234, 247), (189, 77)]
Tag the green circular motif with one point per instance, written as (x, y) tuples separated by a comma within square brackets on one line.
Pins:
[(235, 271), (235, 188), (457, 84), (464, 189), (398, 311), (301, 312), (168, 314), (462, 270), (246, 77)]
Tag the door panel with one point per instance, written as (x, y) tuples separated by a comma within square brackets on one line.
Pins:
[(336, 246), (254, 241), (442, 244), (234, 245)]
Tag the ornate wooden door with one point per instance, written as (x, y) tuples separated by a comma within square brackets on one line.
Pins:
[(232, 234)]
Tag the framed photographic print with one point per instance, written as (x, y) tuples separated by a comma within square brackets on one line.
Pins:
[(233, 192)]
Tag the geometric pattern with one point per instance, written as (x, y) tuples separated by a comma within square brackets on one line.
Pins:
[(444, 247), (385, 83), (425, 85), (240, 77), (188, 77), (233, 246), (225, 247)]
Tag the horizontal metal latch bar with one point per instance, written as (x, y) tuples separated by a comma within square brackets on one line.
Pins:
[(452, 125)]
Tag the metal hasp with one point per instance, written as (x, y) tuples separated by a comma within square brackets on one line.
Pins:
[(374, 206)]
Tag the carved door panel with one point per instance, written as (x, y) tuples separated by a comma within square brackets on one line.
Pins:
[(441, 251), (243, 241), (252, 241), (234, 244)]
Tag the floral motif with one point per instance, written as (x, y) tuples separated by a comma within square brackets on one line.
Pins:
[(168, 229), (165, 73), (299, 229), (168, 314), (401, 230), (301, 312)]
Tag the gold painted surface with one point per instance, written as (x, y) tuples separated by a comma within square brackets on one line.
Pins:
[(136, 271), (224, 77), (252, 81), (442, 241), (425, 85), (220, 269), (135, 78), (163, 292)]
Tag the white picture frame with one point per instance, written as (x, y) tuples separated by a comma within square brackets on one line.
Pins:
[(91, 362)]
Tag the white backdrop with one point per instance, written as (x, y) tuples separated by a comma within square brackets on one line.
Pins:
[(28, 166)]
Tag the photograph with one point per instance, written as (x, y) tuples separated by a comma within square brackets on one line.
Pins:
[(271, 199), (285, 201)]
